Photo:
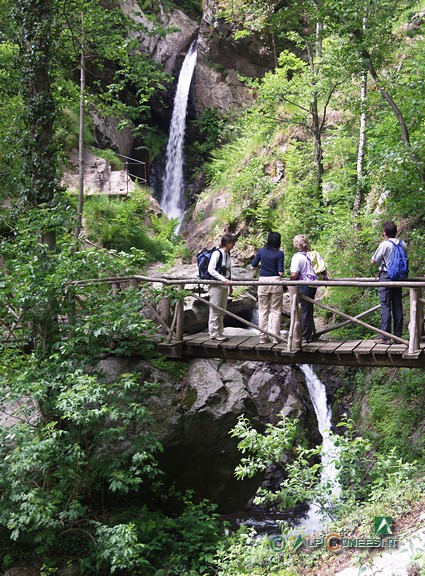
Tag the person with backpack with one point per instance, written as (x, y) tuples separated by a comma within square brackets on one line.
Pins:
[(391, 259), (302, 269), (219, 268), (271, 261)]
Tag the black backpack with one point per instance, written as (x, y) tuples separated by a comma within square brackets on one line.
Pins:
[(203, 258)]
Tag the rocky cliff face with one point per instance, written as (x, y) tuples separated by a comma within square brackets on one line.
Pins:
[(194, 416), (220, 57)]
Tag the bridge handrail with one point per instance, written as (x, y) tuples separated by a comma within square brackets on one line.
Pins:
[(415, 285), (181, 281)]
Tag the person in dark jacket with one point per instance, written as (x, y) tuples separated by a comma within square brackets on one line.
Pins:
[(271, 261)]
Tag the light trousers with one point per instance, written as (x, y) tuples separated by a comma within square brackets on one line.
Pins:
[(218, 296), (269, 307)]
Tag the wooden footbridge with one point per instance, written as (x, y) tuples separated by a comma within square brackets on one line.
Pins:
[(175, 338)]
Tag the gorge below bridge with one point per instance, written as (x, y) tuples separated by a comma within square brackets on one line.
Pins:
[(177, 338)]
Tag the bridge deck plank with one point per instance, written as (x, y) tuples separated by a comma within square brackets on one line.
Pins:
[(397, 349), (329, 347), (365, 347), (234, 342), (348, 347), (315, 345), (196, 339), (249, 344), (381, 348)]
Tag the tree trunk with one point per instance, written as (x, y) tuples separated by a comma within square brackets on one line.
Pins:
[(361, 151), (314, 55), (318, 151), (80, 208), (35, 21)]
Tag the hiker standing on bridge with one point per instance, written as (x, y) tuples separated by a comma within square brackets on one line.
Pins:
[(270, 296), (220, 269), (390, 298), (302, 269)]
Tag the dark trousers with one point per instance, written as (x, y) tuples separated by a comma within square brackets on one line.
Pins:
[(307, 313), (391, 307)]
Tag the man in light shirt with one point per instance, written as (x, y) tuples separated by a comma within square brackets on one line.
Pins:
[(390, 298)]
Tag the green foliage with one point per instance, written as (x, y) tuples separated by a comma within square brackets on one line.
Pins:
[(363, 475), (111, 157), (247, 553), (80, 443), (124, 224), (192, 8), (373, 484), (396, 413), (67, 133), (210, 125), (175, 368), (11, 117)]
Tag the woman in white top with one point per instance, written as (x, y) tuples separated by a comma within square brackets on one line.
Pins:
[(220, 269)]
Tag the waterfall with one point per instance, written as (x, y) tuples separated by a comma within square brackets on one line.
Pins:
[(172, 202), (329, 474)]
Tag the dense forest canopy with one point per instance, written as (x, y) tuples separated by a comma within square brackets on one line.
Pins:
[(332, 146)]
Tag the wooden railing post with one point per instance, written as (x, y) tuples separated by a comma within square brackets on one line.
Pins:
[(294, 334), (134, 283), (416, 320), (165, 313), (180, 317)]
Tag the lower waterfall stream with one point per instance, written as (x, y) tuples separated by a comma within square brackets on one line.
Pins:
[(267, 522), (317, 391)]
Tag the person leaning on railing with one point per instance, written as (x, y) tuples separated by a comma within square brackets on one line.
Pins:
[(220, 269), (302, 269), (390, 298), (271, 261)]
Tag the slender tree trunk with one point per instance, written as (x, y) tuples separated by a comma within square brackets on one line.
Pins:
[(318, 150), (314, 56), (361, 150), (399, 115), (80, 208), (34, 20)]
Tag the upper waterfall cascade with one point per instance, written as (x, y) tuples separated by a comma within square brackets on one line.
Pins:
[(172, 201)]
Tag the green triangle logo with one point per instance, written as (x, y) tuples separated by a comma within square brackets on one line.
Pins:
[(298, 543), (383, 525)]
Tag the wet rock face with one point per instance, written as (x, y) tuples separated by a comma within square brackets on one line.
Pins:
[(220, 57), (194, 417)]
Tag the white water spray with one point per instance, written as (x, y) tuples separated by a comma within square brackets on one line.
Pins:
[(172, 202), (329, 474)]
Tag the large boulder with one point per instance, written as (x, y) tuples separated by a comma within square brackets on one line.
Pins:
[(193, 418)]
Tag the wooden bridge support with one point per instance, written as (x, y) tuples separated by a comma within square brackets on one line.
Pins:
[(165, 314), (294, 333), (416, 319)]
